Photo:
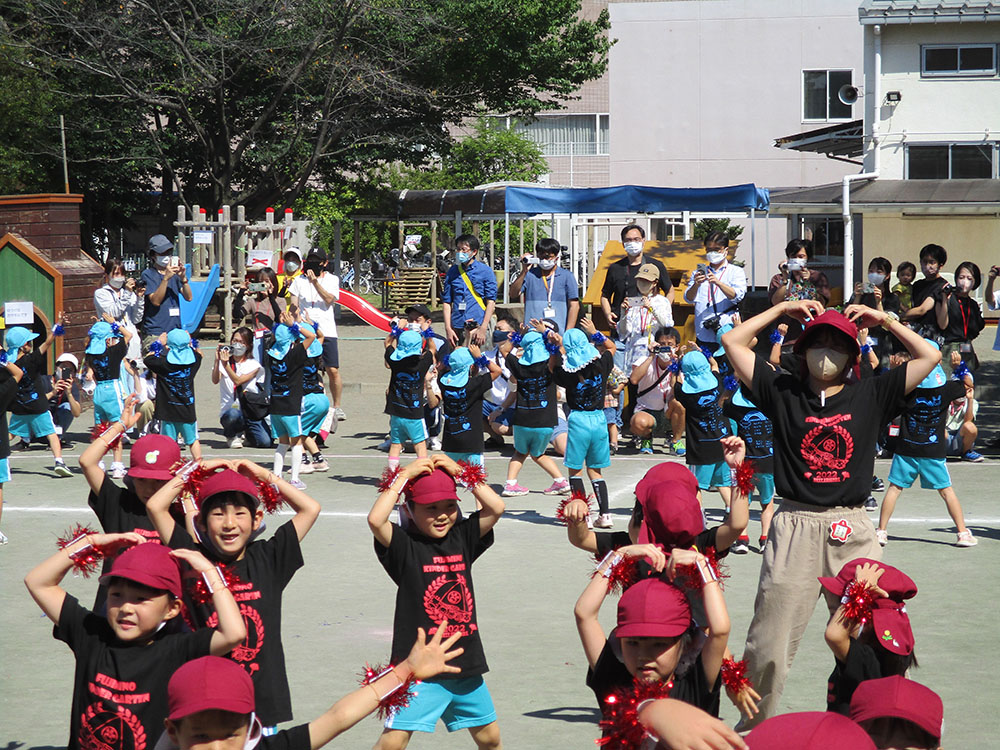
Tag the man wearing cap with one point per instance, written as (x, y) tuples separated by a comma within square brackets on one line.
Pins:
[(825, 429), (548, 291), (620, 281), (315, 292), (469, 294), (165, 281)]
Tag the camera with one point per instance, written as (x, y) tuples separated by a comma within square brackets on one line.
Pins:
[(868, 288), (64, 373), (795, 264), (471, 325), (226, 349), (663, 350), (702, 268), (713, 322), (175, 261), (256, 286)]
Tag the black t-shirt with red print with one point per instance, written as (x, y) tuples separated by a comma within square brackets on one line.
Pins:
[(434, 579), (265, 570), (119, 690), (825, 455)]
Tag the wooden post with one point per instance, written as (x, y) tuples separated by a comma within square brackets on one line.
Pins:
[(227, 275)]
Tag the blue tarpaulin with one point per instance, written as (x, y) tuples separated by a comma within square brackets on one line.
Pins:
[(633, 199)]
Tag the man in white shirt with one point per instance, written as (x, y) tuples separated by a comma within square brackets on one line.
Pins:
[(315, 292), (715, 290)]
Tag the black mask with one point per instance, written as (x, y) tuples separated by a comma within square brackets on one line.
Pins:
[(500, 336), (313, 265)]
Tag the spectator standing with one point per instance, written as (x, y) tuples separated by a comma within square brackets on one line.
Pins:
[(796, 281), (620, 281), (258, 308), (469, 295), (291, 269), (715, 290), (547, 291), (963, 320), (165, 281), (118, 298), (315, 293)]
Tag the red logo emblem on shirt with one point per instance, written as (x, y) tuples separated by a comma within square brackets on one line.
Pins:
[(448, 598), (840, 531), (103, 728), (246, 653), (827, 449)]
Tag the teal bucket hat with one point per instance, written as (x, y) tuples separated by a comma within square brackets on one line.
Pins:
[(534, 349), (579, 351), (740, 399), (936, 377), (179, 351), (723, 329), (283, 339), (698, 375), (315, 348), (410, 344), (459, 362), (99, 334), (17, 337)]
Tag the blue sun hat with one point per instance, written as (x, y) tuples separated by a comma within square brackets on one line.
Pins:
[(740, 399), (17, 337), (698, 375), (579, 351), (410, 344), (99, 334), (459, 362), (283, 340), (315, 348), (726, 328), (936, 377), (179, 351), (534, 349)]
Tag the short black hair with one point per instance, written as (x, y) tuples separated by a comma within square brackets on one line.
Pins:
[(547, 246), (935, 253), (229, 497), (793, 247), (906, 266), (717, 238), (977, 275), (468, 239), (628, 228), (667, 331), (511, 320)]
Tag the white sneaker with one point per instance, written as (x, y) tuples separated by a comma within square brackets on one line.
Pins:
[(339, 414), (236, 442), (604, 521), (434, 444), (298, 484), (882, 536), (60, 469), (118, 470), (3, 538), (306, 468), (965, 539)]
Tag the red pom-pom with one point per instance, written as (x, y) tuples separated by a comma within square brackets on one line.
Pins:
[(270, 498), (575, 495), (193, 474), (198, 589), (734, 675), (622, 574), (859, 598), (388, 477), (472, 475), (87, 561), (745, 473), (620, 723), (394, 701), (99, 429), (689, 577)]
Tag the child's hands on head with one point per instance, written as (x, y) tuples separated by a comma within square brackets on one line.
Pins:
[(441, 461), (429, 658), (198, 562), (734, 450), (680, 557), (218, 463), (110, 544), (415, 468), (870, 574), (653, 554), (806, 309), (248, 468)]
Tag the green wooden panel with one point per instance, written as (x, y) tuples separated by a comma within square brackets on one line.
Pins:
[(22, 280)]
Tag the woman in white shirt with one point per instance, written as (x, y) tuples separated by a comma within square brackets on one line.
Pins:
[(641, 317), (234, 367), (117, 297)]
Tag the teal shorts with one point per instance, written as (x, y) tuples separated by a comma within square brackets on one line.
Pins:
[(464, 703), (712, 475), (764, 483), (108, 401), (314, 409), (532, 441), (29, 426), (4, 471), (405, 430), (187, 430), (587, 442), (286, 425), (933, 472), (473, 459)]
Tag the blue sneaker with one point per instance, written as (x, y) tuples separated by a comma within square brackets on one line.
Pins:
[(679, 449), (646, 446), (973, 457)]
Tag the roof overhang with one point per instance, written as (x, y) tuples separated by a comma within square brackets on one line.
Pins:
[(873, 12), (841, 141), (907, 197)]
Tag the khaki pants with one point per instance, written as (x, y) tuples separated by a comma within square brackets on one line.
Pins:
[(799, 550)]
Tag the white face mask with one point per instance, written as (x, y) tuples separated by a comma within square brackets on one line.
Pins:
[(825, 363), (964, 285), (876, 278), (162, 260), (239, 350), (117, 282), (291, 266), (715, 258), (633, 248), (663, 356), (546, 264)]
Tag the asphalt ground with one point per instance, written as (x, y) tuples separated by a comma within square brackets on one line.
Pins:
[(338, 608)]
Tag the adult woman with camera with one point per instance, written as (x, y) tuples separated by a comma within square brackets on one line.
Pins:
[(121, 297), (258, 306), (795, 282), (242, 403)]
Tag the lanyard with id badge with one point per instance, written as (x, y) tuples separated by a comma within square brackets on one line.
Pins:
[(549, 311)]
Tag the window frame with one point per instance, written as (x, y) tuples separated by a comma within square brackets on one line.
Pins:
[(950, 145), (802, 94), (508, 122), (924, 73)]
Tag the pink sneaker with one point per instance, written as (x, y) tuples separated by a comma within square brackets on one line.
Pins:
[(559, 487), (514, 490)]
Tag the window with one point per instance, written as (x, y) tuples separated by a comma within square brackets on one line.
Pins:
[(819, 94), (564, 135), (950, 161), (827, 235), (940, 60)]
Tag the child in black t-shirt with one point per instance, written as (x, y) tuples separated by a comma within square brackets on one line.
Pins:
[(921, 450), (431, 563), (286, 361), (929, 303), (175, 361), (212, 701), (462, 391), (583, 372), (408, 361), (753, 426), (10, 376), (123, 660), (105, 349), (700, 393), (226, 516), (869, 638), (29, 412), (315, 404)]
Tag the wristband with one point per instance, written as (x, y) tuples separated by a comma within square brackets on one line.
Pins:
[(428, 333), (597, 337), (77, 554), (116, 330), (708, 574), (388, 670), (208, 584), (865, 348), (777, 337), (58, 330), (3, 357), (613, 556), (483, 361)]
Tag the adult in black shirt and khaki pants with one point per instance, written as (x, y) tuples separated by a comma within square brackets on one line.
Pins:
[(824, 453)]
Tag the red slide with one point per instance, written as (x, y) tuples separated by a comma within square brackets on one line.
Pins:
[(364, 310)]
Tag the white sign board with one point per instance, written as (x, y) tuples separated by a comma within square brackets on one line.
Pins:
[(18, 313), (259, 257), (203, 238), (413, 239)]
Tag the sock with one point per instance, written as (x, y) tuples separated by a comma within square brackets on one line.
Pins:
[(317, 457), (601, 490), (577, 487), (393, 463), (296, 462), (279, 458)]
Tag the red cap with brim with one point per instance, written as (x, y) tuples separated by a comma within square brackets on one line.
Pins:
[(671, 515), (830, 319), (652, 608), (209, 683), (227, 480), (148, 564), (809, 730), (668, 471), (154, 457), (899, 698), (431, 488), (895, 582)]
